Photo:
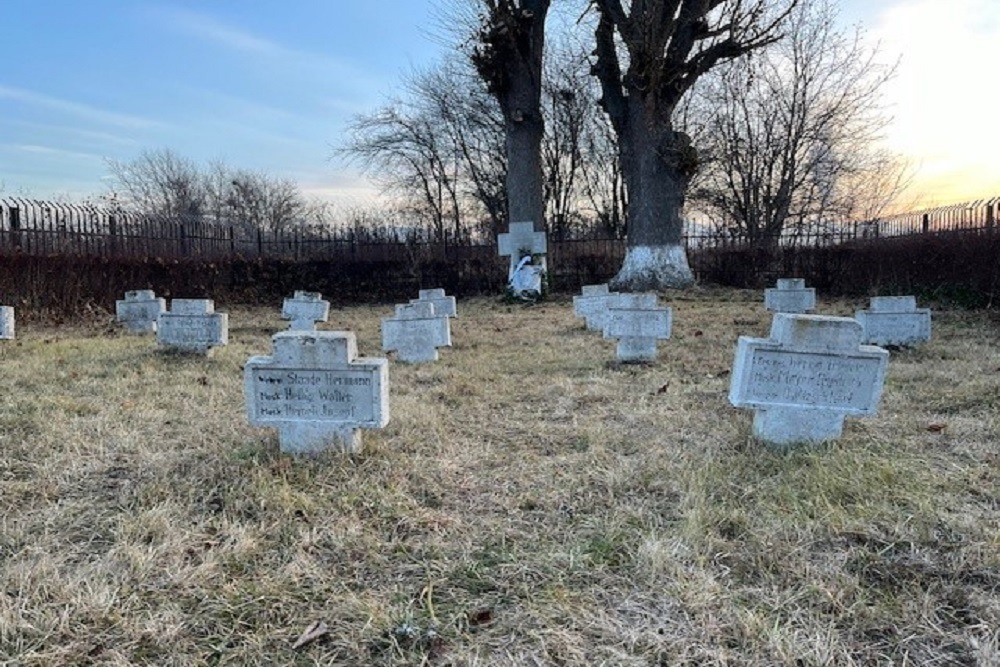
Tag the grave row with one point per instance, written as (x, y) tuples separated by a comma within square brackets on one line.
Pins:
[(805, 378), (802, 381)]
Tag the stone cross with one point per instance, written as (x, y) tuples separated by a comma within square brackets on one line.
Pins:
[(592, 305), (790, 296), (6, 322), (316, 391), (415, 332), (304, 310), (192, 325), (139, 310), (519, 242), (806, 377), (443, 305), (895, 320), (637, 322)]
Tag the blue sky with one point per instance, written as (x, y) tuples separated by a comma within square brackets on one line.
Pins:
[(271, 85)]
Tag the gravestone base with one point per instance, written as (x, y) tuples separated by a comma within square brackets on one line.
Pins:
[(313, 438), (636, 350), (780, 427)]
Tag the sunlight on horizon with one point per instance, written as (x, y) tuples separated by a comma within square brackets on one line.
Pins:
[(943, 105)]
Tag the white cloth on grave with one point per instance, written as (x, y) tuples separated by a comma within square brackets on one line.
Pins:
[(526, 277)]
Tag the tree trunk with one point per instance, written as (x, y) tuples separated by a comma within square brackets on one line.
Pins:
[(524, 128), (657, 164)]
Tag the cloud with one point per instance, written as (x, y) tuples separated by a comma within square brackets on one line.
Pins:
[(58, 153), (77, 109), (216, 32)]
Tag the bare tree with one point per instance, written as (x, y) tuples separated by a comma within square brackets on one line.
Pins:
[(259, 201), (508, 56), (159, 182), (409, 151), (668, 44), (471, 117), (792, 131)]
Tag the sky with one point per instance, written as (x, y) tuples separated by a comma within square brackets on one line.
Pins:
[(271, 86)]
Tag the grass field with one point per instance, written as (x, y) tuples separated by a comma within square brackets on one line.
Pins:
[(531, 502)]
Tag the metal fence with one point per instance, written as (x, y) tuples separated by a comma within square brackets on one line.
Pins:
[(46, 228)]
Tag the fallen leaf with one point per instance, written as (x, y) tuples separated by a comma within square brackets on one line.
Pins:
[(936, 427), (480, 616), (315, 630)]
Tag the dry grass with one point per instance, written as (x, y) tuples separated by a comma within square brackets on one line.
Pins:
[(531, 503)]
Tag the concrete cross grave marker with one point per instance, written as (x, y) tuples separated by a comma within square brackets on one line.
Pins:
[(522, 241), (192, 325), (804, 379), (790, 296), (592, 305), (305, 309), (443, 305), (139, 310), (316, 391), (415, 332), (895, 320), (6, 322), (637, 322)]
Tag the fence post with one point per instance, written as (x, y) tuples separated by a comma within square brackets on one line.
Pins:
[(925, 223), (15, 224), (990, 217)]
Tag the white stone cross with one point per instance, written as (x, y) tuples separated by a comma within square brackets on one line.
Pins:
[(895, 320), (6, 322), (415, 332), (139, 310), (316, 391), (592, 305), (305, 309), (790, 296), (637, 322), (520, 241), (443, 305), (192, 325), (806, 377)]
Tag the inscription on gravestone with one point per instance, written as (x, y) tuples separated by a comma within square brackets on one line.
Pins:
[(806, 378), (316, 391), (192, 325)]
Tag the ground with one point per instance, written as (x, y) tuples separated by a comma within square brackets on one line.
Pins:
[(531, 502)]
